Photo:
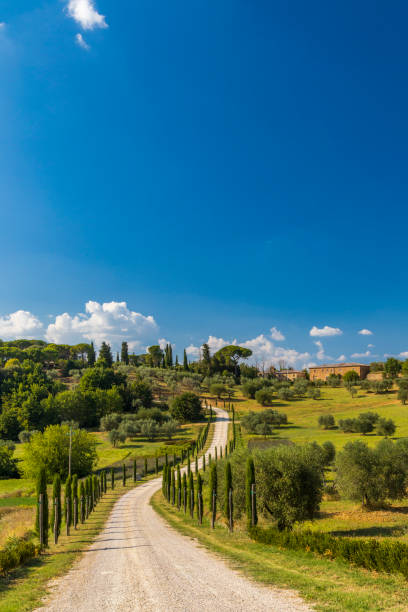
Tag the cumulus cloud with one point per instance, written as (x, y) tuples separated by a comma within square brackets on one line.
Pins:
[(370, 345), (20, 324), (81, 42), (113, 322), (325, 331), (193, 351), (276, 334), (404, 355), (365, 332), (263, 351), (2, 25), (341, 358), (85, 13)]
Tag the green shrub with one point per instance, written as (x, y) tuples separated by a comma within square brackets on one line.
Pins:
[(16, 552), (373, 555), (249, 481), (264, 397), (41, 489), (326, 421)]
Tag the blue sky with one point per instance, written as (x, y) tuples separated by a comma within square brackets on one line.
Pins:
[(223, 167)]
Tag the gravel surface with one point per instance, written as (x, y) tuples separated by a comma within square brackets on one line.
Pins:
[(139, 563)]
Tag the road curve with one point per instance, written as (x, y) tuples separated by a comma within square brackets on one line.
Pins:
[(139, 563)]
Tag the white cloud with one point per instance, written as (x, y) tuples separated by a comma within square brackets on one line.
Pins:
[(366, 354), (81, 42), (84, 13), (370, 345), (111, 321), (341, 358), (193, 351), (325, 331), (263, 350), (320, 353), (20, 324), (2, 25), (276, 334), (365, 332), (404, 355)]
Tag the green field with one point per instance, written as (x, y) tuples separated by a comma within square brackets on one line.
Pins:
[(303, 414)]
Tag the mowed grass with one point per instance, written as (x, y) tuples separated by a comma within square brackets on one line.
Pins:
[(328, 584), (138, 447), (304, 413)]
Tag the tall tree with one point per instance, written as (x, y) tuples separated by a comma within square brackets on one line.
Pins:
[(185, 361), (42, 490), (105, 355), (91, 355), (124, 354), (156, 354)]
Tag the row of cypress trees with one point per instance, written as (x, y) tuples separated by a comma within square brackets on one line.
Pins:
[(80, 499), (180, 491)]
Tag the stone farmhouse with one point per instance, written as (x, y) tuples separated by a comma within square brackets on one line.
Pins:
[(321, 372)]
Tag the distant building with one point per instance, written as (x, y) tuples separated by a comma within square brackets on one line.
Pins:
[(323, 371), (290, 374)]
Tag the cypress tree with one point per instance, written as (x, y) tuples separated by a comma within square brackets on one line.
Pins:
[(196, 464), (213, 485), (157, 465), (178, 491), (112, 479), (82, 504), (199, 498), (174, 459), (124, 353), (145, 466), (164, 480), (105, 355), (56, 503), (134, 471), (226, 450), (228, 486), (216, 454), (249, 481), (203, 463), (94, 490), (41, 489), (117, 358), (173, 487), (177, 361), (191, 493), (75, 500), (184, 491), (188, 467), (124, 475), (185, 361), (166, 459), (68, 501), (220, 452), (209, 459), (91, 355)]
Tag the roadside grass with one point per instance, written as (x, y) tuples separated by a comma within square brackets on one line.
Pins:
[(331, 585), (24, 588)]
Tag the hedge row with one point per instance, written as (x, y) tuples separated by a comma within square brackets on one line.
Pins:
[(16, 552), (382, 556)]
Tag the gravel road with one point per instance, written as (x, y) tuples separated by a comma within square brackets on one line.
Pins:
[(139, 563)]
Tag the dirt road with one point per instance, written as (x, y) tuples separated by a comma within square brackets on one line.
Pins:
[(139, 563)]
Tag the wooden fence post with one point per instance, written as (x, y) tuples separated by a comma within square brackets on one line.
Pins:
[(253, 504), (75, 512)]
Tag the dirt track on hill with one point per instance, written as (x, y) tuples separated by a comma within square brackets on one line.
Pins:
[(139, 563)]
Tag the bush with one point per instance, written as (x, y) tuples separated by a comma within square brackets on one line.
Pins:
[(250, 388), (382, 556), (16, 552), (115, 436), (300, 386), (186, 408), (314, 393), (326, 421), (329, 452), (111, 421), (169, 429), (149, 429), (24, 436), (8, 465), (350, 377), (264, 397)]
